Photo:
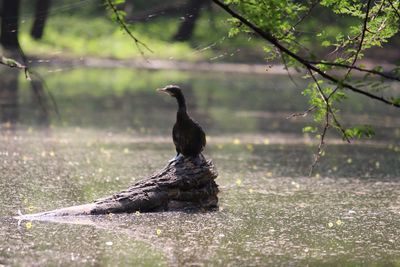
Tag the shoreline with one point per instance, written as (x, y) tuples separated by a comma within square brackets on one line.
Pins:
[(202, 66), (161, 64)]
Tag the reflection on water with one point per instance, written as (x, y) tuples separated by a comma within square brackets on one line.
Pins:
[(115, 129), (118, 99), (8, 96), (9, 99)]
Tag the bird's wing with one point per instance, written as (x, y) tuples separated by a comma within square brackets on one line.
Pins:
[(176, 137), (198, 133), (203, 138)]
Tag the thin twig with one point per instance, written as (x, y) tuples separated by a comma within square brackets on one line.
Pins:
[(321, 144), (382, 74), (301, 114), (364, 29), (268, 36), (306, 14), (328, 112), (394, 8), (328, 106), (121, 22), (377, 12), (287, 69), (28, 74), (43, 84), (365, 24)]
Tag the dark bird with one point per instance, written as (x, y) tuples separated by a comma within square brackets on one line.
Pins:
[(189, 138)]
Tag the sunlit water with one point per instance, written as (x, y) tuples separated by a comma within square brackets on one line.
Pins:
[(115, 129)]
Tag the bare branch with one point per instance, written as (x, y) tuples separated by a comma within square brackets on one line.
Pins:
[(301, 114), (320, 145), (326, 125), (121, 22), (268, 36), (11, 63)]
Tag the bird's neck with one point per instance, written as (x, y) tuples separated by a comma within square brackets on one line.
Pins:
[(181, 107)]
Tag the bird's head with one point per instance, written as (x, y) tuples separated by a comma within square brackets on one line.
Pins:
[(172, 90)]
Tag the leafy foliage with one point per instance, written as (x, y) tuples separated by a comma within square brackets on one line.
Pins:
[(368, 23), (279, 22), (360, 131), (372, 23)]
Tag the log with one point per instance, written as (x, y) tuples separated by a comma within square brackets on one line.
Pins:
[(184, 184)]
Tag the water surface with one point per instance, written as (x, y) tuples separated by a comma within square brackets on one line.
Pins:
[(115, 129)]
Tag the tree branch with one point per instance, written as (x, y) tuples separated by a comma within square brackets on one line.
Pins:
[(326, 125), (328, 112), (320, 145), (313, 4), (301, 114), (363, 31), (11, 63), (120, 21), (394, 8), (28, 75), (287, 69), (268, 36), (382, 74), (328, 107)]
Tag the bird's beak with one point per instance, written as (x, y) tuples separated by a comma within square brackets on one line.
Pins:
[(163, 90)]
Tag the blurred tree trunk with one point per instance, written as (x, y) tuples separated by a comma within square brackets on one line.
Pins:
[(41, 13), (192, 13), (9, 76), (9, 24), (9, 107), (171, 8)]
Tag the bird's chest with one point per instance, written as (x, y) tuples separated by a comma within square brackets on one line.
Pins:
[(183, 130)]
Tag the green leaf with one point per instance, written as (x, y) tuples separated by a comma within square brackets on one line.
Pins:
[(326, 43), (395, 100), (118, 2), (310, 129), (360, 132)]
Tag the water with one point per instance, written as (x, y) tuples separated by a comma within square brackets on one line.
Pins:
[(115, 129)]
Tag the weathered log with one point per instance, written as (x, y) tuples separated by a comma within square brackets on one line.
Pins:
[(184, 184)]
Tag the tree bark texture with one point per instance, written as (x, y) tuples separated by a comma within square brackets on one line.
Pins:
[(184, 184)]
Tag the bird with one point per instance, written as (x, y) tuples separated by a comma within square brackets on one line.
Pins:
[(188, 136)]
